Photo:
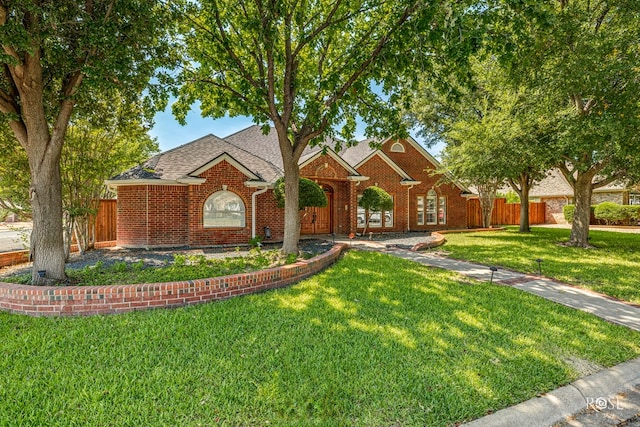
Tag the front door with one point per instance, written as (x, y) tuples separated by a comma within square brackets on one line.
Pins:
[(318, 220)]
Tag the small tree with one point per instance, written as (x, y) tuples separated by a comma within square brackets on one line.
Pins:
[(375, 199), (310, 194)]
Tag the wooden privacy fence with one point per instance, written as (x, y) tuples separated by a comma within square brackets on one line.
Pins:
[(106, 221), (504, 213)]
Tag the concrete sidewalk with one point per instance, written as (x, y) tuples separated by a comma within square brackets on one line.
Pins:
[(571, 405)]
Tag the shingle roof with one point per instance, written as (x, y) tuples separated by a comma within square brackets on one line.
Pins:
[(181, 161), (555, 184), (253, 140), (357, 153)]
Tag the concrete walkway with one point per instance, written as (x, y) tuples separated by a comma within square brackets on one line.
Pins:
[(576, 404)]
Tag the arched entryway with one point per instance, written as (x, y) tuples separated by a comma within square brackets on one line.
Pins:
[(318, 220)]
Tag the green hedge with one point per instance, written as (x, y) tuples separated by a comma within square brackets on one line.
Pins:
[(613, 213), (610, 213), (569, 211)]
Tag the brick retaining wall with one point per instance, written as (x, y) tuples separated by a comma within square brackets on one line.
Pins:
[(92, 300)]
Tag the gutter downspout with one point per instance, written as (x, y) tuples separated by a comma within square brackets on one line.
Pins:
[(409, 209), (254, 197)]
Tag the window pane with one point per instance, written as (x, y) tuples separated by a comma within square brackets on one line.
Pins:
[(388, 217), (361, 214), (223, 209), (431, 207), (420, 204), (375, 221), (634, 199), (442, 211)]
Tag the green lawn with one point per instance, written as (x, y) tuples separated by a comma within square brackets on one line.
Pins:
[(612, 267), (372, 341)]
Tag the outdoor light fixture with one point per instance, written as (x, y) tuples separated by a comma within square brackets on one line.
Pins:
[(493, 270), (267, 232), (539, 261)]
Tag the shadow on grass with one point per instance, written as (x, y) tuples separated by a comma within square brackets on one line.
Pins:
[(372, 341)]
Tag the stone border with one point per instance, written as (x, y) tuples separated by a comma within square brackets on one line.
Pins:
[(93, 300), (440, 239)]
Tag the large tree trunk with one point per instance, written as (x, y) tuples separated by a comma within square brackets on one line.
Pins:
[(291, 208), (522, 188), (487, 197), (582, 198), (47, 246)]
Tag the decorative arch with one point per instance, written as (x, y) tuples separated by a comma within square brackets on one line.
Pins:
[(397, 147), (224, 209), (326, 171)]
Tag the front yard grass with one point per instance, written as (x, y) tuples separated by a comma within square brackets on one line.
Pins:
[(611, 268), (372, 341)]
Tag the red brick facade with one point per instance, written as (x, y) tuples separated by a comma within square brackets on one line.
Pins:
[(414, 163), (172, 215)]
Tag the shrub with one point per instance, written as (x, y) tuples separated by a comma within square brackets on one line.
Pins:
[(568, 211), (632, 213), (310, 194), (610, 213)]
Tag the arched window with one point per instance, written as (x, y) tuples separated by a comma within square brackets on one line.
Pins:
[(397, 148), (223, 209)]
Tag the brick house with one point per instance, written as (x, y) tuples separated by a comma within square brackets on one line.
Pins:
[(555, 192), (215, 191)]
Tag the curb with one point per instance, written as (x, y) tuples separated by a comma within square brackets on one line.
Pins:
[(554, 406)]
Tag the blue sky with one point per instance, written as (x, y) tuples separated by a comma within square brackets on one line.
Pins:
[(170, 133)]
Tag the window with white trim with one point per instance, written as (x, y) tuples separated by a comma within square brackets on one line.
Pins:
[(420, 206), (432, 200), (634, 198), (442, 210), (223, 209), (376, 219), (397, 148)]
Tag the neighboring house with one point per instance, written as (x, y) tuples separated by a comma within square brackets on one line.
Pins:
[(556, 192), (215, 191)]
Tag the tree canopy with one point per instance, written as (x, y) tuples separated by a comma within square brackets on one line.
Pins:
[(582, 59), (493, 132), (57, 54), (309, 68)]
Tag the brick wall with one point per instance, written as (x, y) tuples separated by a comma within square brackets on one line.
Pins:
[(553, 209), (221, 174), (384, 176), (268, 214), (152, 216), (92, 300), (420, 169)]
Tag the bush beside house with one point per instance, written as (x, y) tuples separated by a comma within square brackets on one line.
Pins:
[(608, 213)]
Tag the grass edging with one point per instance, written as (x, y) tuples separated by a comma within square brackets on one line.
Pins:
[(440, 239), (93, 300)]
